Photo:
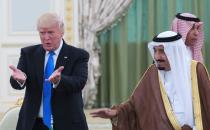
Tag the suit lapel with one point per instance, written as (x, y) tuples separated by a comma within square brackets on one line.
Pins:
[(63, 56), (39, 64), (39, 57)]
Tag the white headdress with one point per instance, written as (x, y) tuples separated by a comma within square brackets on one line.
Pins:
[(177, 81)]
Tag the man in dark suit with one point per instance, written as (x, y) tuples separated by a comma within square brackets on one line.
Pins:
[(67, 80)]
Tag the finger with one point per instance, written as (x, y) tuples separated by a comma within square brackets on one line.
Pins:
[(60, 69), (98, 110), (13, 68), (47, 80), (95, 116), (53, 76), (93, 113)]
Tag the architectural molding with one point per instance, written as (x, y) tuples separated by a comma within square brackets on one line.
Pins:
[(12, 35), (69, 21)]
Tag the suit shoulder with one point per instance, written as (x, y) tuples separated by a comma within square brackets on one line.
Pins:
[(78, 51), (148, 80), (30, 49), (200, 65), (151, 69)]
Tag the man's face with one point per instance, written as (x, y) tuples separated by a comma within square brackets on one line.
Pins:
[(161, 58), (192, 35), (50, 36)]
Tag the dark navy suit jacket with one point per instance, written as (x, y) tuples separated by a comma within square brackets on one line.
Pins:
[(67, 103)]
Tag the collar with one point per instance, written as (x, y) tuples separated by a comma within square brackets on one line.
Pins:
[(58, 49)]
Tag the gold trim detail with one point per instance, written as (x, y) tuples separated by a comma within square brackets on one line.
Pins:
[(19, 102), (168, 108), (69, 21), (196, 97), (196, 101)]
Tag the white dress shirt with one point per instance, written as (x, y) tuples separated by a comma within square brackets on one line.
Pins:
[(57, 51)]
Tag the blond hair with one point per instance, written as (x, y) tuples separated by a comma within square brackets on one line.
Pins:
[(49, 18)]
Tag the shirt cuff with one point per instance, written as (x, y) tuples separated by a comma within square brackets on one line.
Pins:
[(56, 85), (22, 84)]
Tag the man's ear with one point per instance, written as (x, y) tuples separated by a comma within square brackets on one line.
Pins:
[(199, 25)]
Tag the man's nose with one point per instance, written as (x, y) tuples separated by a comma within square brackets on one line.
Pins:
[(157, 56), (45, 35)]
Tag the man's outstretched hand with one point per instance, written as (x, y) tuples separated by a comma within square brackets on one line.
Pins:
[(55, 77), (17, 74), (106, 113)]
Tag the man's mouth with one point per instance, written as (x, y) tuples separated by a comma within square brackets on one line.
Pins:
[(161, 68), (160, 61)]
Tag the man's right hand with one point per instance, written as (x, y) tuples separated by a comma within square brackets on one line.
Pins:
[(17, 74), (106, 113)]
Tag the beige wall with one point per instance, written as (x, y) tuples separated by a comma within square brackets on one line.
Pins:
[(11, 42)]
